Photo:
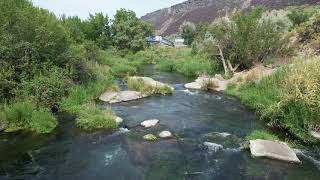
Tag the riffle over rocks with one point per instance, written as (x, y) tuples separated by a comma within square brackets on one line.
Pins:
[(273, 150)]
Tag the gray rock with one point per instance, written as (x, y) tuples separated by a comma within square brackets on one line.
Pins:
[(193, 85), (165, 134), (213, 147), (273, 150), (123, 96), (150, 123), (119, 120), (108, 96), (2, 128), (315, 134), (150, 137), (151, 82)]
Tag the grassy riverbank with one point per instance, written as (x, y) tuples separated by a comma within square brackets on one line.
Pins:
[(288, 99)]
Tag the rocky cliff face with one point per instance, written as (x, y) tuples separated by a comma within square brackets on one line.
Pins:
[(167, 21)]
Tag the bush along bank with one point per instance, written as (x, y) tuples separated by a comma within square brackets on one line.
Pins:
[(288, 99)]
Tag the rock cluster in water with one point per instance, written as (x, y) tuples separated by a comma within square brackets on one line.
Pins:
[(124, 96), (273, 150), (213, 147)]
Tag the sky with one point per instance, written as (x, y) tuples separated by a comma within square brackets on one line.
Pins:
[(82, 8)]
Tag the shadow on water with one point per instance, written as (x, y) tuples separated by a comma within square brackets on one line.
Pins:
[(194, 117)]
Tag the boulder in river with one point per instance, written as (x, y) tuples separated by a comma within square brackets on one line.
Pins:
[(273, 150), (119, 120), (165, 134), (123, 96), (213, 147), (151, 82), (150, 123), (203, 82), (150, 137)]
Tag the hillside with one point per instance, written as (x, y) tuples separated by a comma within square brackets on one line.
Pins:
[(167, 21)]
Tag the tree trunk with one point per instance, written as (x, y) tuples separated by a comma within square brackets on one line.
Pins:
[(225, 67)]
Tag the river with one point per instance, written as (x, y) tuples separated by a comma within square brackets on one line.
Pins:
[(194, 117)]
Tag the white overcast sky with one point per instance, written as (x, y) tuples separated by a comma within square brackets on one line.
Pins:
[(82, 8)]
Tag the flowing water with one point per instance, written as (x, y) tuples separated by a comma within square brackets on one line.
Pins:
[(194, 117)]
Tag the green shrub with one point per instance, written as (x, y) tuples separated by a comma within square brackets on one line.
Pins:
[(22, 115), (46, 90), (43, 122), (123, 70), (165, 65), (299, 16), (91, 118), (18, 115), (194, 67)]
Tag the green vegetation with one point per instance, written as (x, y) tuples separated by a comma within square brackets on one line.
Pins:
[(179, 60), (90, 118), (140, 86), (22, 115), (289, 99), (261, 134), (61, 64)]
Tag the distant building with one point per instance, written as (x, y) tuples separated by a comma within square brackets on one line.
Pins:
[(179, 42), (159, 40)]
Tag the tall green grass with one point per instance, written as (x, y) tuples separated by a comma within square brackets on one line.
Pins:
[(289, 99), (91, 118), (24, 116), (181, 61), (140, 86)]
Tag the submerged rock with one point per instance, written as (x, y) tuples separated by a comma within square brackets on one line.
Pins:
[(150, 137), (123, 96), (213, 147), (273, 150), (150, 123), (165, 134)]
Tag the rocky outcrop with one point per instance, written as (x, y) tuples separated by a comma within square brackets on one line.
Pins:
[(273, 150), (150, 137), (208, 83), (168, 21), (151, 82), (2, 128), (150, 123), (218, 83), (123, 96), (165, 134)]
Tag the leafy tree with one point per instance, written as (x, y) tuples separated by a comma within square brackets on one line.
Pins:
[(129, 32), (299, 16), (30, 39), (97, 29), (188, 32), (245, 39), (75, 28)]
